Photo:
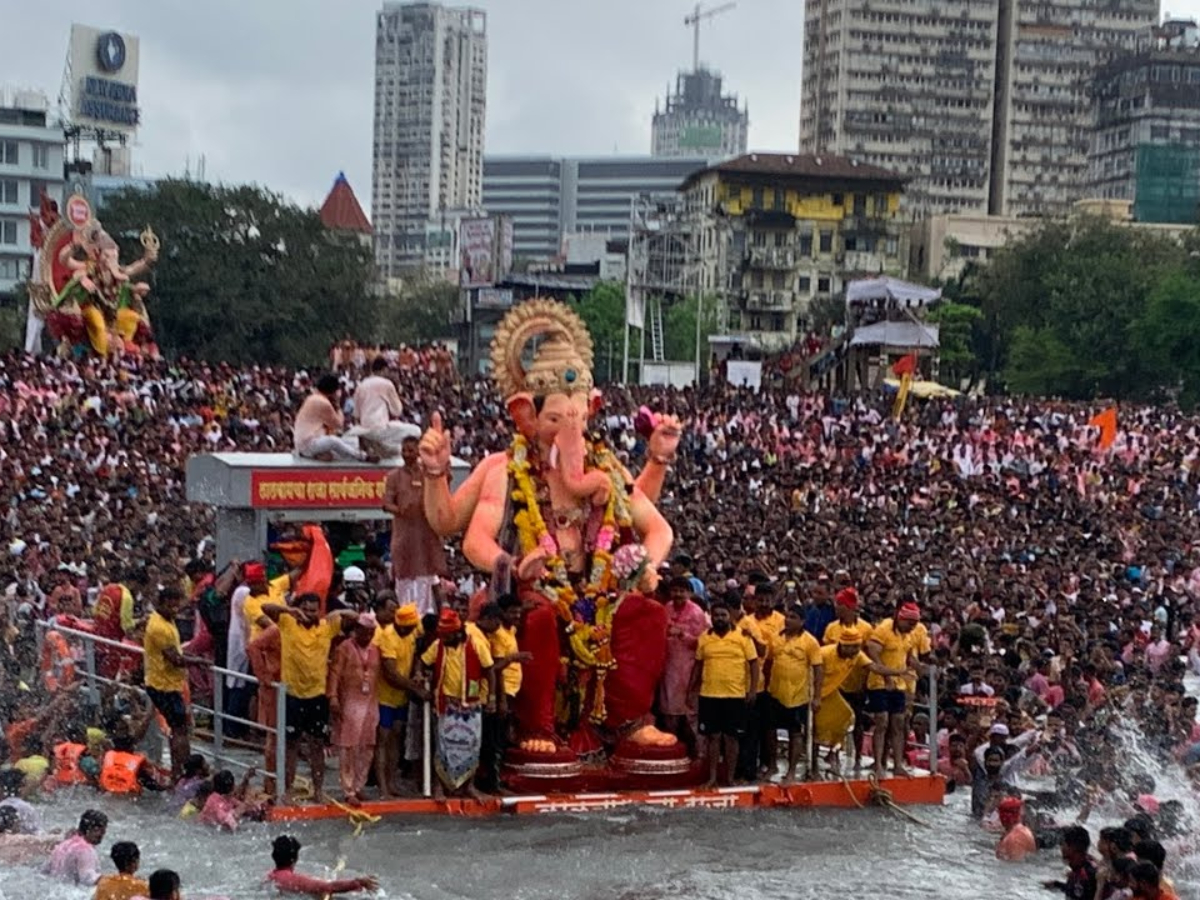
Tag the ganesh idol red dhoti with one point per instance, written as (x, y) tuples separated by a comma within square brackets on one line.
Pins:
[(583, 540)]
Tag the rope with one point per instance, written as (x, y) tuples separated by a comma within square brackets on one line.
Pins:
[(850, 791), (359, 818), (881, 796)]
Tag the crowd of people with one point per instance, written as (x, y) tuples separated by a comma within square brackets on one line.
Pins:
[(826, 555)]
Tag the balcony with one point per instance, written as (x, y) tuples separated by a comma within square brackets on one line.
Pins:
[(863, 261), (768, 301), (781, 258)]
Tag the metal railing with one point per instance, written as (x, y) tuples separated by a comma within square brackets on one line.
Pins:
[(92, 678), (220, 718)]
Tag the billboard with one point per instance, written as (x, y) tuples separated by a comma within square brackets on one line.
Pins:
[(494, 298), (477, 252), (104, 79)]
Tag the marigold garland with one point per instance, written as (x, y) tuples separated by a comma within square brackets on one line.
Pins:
[(589, 641)]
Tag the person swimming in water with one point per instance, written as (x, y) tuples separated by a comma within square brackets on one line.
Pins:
[(285, 852)]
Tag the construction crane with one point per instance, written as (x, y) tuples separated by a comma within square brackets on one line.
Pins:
[(698, 15)]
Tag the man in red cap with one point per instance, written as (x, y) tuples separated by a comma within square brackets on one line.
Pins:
[(840, 630), (1018, 841), (464, 685), (890, 646)]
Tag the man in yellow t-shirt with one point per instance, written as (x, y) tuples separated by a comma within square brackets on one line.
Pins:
[(397, 642), (166, 672), (305, 640), (494, 622), (758, 622), (261, 593), (125, 885), (464, 681), (725, 674), (890, 647), (795, 683), (854, 689)]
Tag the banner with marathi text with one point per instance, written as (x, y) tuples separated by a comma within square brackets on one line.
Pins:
[(316, 488)]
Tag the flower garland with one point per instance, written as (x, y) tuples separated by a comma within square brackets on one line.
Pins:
[(588, 615)]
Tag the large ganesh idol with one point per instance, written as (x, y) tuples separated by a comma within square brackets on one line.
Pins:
[(87, 298), (582, 540)]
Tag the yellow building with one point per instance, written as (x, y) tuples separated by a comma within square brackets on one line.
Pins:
[(777, 232)]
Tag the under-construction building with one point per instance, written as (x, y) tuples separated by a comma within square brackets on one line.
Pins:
[(1145, 148), (699, 120), (983, 104)]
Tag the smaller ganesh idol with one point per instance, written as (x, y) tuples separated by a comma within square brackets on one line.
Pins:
[(583, 541), (87, 298)]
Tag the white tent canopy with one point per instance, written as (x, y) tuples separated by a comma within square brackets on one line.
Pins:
[(891, 293), (896, 334)]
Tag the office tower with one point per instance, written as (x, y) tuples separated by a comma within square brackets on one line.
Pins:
[(430, 105), (699, 121)]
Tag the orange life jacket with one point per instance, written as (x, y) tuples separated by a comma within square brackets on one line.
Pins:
[(119, 772), (58, 665), (66, 763)]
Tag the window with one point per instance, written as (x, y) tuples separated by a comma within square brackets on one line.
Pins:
[(826, 245), (804, 284), (777, 322), (10, 269), (838, 199), (8, 231), (8, 191), (806, 245), (781, 238), (8, 153), (756, 198), (41, 157), (823, 285), (860, 204), (756, 322), (778, 281), (780, 201)]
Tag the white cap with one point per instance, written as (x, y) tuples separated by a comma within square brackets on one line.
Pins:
[(354, 575), (999, 728)]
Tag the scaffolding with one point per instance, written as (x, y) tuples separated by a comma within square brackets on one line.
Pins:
[(663, 269)]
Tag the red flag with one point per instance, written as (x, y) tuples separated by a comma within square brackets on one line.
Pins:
[(1107, 423), (905, 365)]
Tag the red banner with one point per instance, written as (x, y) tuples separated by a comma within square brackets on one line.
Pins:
[(316, 488)]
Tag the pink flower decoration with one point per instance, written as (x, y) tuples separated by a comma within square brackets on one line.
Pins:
[(629, 561), (547, 543), (604, 539)]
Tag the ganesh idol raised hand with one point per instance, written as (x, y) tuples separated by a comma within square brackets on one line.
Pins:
[(557, 509)]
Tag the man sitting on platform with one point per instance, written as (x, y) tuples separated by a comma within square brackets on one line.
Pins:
[(377, 410), (315, 433)]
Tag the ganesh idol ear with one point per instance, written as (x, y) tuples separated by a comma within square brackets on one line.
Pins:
[(595, 401), (523, 412)]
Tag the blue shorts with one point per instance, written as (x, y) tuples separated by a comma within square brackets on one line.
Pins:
[(392, 715), (885, 701)]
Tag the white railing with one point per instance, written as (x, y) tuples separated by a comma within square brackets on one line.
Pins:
[(219, 716), (92, 678)]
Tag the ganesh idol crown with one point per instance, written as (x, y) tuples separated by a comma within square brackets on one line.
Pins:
[(581, 540)]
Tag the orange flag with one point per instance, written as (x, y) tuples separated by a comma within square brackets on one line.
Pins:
[(1107, 423)]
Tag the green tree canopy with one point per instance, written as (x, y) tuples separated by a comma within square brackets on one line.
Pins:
[(423, 310), (245, 276), (957, 323)]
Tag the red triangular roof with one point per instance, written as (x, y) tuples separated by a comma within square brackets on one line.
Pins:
[(341, 211)]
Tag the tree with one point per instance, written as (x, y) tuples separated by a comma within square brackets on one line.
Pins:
[(424, 310), (244, 275), (603, 311), (679, 327), (957, 324), (1167, 337), (1059, 305)]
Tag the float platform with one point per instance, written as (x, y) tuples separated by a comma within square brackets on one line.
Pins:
[(919, 790)]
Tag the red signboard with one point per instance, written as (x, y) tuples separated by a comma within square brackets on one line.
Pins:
[(316, 488)]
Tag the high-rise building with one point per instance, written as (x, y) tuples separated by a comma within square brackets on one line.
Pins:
[(982, 104), (906, 86), (430, 105), (31, 161), (1048, 57), (1145, 148), (547, 198), (699, 121)]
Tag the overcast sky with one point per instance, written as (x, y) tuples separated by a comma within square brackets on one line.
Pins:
[(280, 92)]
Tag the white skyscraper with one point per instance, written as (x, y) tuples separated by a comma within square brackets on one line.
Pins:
[(430, 105)]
